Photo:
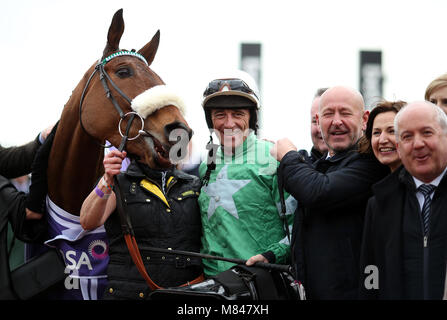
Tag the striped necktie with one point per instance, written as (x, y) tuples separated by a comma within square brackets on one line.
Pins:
[(426, 190)]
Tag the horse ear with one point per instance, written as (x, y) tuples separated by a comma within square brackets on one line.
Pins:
[(116, 30), (150, 49)]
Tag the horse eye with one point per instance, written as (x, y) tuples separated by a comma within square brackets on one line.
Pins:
[(124, 72)]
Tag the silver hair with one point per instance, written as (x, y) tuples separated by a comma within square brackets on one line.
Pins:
[(441, 117)]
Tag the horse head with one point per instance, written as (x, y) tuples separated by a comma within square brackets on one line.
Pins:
[(148, 113), (119, 95)]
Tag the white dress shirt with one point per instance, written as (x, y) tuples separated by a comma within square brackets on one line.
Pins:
[(435, 182)]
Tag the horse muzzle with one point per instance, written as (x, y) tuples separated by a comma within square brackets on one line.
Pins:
[(165, 154)]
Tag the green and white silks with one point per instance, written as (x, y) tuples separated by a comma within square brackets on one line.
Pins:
[(240, 207)]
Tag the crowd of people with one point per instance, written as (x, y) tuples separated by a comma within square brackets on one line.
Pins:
[(363, 215)]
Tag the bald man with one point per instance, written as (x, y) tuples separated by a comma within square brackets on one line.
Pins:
[(331, 197)]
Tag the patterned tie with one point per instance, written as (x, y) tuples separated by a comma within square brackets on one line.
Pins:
[(426, 190)]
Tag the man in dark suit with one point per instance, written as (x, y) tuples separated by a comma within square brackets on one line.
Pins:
[(332, 195), (404, 244)]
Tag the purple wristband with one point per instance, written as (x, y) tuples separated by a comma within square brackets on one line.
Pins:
[(99, 192)]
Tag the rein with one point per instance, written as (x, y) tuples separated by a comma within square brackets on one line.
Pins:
[(270, 266)]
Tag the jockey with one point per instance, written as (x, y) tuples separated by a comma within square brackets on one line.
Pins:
[(239, 199)]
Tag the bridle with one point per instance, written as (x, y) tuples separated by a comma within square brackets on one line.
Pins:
[(105, 79)]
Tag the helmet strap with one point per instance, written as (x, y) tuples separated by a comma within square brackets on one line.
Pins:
[(210, 161)]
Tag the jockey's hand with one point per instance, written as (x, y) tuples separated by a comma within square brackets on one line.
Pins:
[(112, 165), (31, 215), (281, 147), (256, 258)]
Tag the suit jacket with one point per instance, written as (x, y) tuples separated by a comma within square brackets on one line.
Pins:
[(327, 232), (315, 154), (383, 239), (14, 162), (12, 209)]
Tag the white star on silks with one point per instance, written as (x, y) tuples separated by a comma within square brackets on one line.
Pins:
[(221, 193)]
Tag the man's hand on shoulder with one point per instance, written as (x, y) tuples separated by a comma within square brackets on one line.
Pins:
[(281, 147)]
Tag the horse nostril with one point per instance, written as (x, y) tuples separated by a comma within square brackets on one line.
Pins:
[(177, 131), (189, 131)]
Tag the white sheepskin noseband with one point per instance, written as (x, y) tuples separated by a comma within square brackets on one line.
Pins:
[(156, 98)]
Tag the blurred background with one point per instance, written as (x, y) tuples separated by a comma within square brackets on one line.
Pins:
[(390, 49)]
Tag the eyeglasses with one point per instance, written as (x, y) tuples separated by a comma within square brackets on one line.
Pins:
[(232, 84)]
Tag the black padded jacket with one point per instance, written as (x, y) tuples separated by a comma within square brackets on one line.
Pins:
[(164, 213)]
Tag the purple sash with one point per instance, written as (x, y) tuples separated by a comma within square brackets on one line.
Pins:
[(85, 254)]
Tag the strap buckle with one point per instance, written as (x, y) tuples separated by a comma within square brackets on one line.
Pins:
[(142, 125)]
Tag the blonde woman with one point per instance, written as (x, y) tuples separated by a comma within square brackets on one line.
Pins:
[(436, 92)]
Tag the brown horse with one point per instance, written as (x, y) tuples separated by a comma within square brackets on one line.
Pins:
[(119, 97), (76, 157)]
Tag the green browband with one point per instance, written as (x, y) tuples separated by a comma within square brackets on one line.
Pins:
[(123, 53)]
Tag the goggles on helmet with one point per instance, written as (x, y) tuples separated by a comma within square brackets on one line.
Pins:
[(221, 89), (220, 85)]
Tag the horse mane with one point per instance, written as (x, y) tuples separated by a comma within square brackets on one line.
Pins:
[(75, 162)]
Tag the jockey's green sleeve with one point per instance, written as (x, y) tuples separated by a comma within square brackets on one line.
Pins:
[(240, 207)]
